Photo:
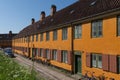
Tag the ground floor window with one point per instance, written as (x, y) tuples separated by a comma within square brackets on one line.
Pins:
[(97, 60), (54, 52), (47, 53), (36, 52), (41, 53), (64, 56)]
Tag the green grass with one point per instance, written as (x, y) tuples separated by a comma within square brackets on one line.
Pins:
[(10, 70)]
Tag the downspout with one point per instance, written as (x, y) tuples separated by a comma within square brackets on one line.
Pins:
[(72, 48)]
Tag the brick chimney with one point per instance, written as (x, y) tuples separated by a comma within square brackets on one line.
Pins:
[(42, 15), (53, 10), (32, 21), (10, 33)]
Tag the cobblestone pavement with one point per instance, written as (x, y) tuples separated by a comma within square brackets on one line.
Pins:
[(47, 72)]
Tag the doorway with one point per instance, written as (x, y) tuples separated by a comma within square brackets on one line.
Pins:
[(78, 64)]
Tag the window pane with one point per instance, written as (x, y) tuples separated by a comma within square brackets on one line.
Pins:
[(47, 36), (36, 37), (64, 56), (97, 28), (33, 38), (64, 33), (77, 31), (47, 54), (55, 35), (99, 61), (54, 54), (41, 37), (94, 60)]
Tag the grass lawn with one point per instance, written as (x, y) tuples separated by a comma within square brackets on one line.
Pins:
[(10, 70)]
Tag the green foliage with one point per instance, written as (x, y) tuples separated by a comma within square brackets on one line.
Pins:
[(10, 70)]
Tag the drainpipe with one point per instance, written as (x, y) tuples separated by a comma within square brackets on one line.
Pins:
[(72, 48)]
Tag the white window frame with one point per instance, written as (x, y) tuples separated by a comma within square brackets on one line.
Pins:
[(97, 60), (54, 56), (47, 36), (97, 29), (64, 56), (77, 31), (41, 36), (64, 33), (55, 34), (47, 53)]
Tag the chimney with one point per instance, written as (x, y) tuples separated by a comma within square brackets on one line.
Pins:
[(42, 15), (32, 21), (10, 33), (53, 10)]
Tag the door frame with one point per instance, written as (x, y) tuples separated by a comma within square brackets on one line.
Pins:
[(77, 53)]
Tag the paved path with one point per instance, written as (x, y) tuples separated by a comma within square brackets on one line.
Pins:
[(43, 70)]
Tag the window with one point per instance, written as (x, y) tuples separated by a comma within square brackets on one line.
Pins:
[(97, 28), (41, 53), (55, 35), (36, 52), (97, 60), (32, 38), (118, 24), (118, 64), (47, 36), (64, 34), (77, 31), (47, 54), (36, 37), (41, 37), (64, 56), (54, 52)]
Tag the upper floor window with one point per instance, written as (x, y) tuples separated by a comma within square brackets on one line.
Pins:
[(64, 56), (47, 36), (97, 60), (55, 35), (64, 34), (32, 38), (41, 37), (77, 31), (54, 54), (36, 37), (97, 28), (118, 24)]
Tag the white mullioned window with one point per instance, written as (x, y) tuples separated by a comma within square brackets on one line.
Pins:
[(64, 33), (97, 60), (77, 31), (36, 37), (64, 56), (41, 37), (54, 54), (47, 53), (97, 28), (47, 36), (55, 35)]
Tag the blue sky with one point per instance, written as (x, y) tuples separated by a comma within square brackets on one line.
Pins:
[(17, 14)]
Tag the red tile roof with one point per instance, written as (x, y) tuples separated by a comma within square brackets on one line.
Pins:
[(81, 10)]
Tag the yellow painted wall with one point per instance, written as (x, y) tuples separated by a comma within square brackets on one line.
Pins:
[(109, 43), (58, 44)]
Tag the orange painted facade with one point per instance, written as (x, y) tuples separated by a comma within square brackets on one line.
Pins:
[(92, 44)]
